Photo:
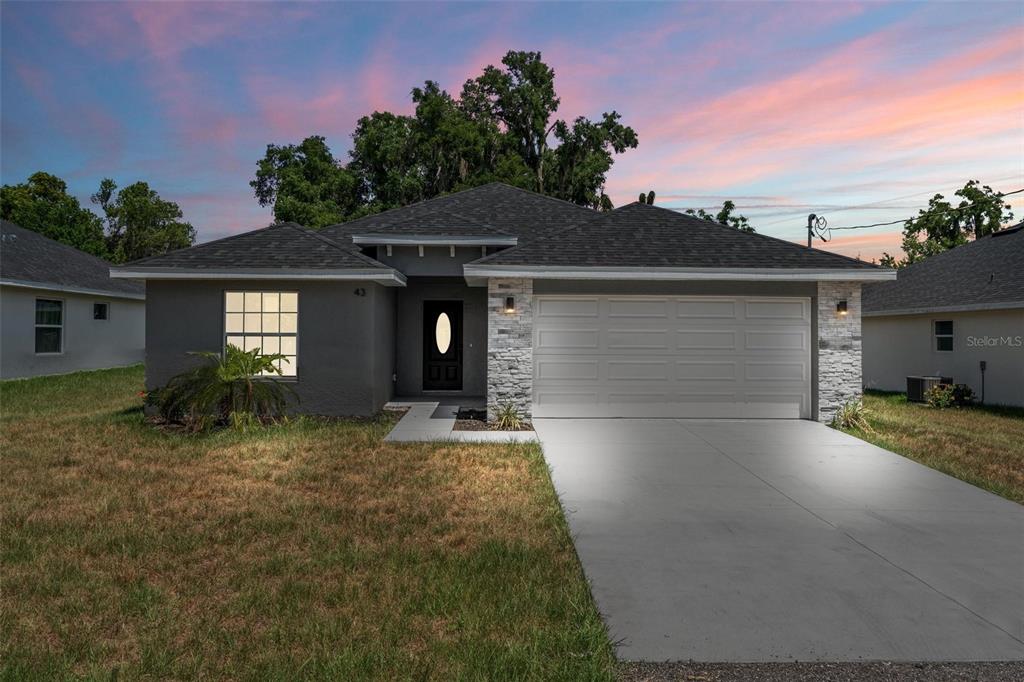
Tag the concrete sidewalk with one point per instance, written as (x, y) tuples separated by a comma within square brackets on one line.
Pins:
[(429, 421)]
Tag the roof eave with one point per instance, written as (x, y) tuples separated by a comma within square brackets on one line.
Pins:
[(432, 240), (927, 310), (383, 276), (474, 274), (67, 289)]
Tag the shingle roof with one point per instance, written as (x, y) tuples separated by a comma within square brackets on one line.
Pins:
[(502, 208), (988, 272), (27, 257), (286, 245), (436, 223), (645, 236)]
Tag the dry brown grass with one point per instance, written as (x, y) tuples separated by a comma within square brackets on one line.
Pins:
[(313, 550), (981, 445)]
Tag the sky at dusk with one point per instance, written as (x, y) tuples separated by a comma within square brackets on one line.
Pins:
[(786, 108)]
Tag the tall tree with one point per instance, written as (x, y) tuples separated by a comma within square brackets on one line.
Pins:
[(42, 204), (725, 217), (140, 223), (501, 127), (942, 226), (306, 184)]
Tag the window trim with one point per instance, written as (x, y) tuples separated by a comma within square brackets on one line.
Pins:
[(36, 325), (936, 336), (106, 311), (225, 334)]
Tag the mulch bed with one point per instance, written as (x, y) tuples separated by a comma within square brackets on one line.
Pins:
[(469, 419)]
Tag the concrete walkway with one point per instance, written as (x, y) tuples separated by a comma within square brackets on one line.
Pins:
[(784, 540), (429, 421)]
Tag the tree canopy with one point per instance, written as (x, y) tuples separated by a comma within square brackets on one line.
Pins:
[(942, 226), (725, 217), (140, 223), (502, 127), (42, 204)]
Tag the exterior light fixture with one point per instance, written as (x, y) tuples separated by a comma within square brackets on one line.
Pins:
[(841, 308), (510, 304)]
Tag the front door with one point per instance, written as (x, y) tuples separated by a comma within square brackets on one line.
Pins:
[(442, 345)]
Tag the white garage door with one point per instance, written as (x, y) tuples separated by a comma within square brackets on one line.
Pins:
[(672, 356)]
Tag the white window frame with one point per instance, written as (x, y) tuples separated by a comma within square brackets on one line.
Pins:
[(936, 336), (106, 305), (247, 317), (36, 325)]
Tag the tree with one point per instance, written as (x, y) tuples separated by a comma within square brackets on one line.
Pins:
[(941, 226), (306, 184), (647, 198), (42, 204), (499, 129), (725, 217), (140, 223)]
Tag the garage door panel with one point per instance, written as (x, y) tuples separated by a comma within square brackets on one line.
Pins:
[(545, 308), (637, 339), (776, 310), (644, 370), (775, 340), (705, 339), (706, 307), (566, 339), (706, 370), (683, 358)]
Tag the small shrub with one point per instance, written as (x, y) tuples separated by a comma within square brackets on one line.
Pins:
[(508, 418), (942, 396), (852, 415), (237, 388)]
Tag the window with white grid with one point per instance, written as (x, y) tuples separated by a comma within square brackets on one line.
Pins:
[(267, 320)]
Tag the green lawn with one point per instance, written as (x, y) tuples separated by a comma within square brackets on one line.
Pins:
[(312, 551), (981, 445)]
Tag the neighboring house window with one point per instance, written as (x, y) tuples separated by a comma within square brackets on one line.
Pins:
[(49, 326), (944, 335), (99, 311), (267, 320)]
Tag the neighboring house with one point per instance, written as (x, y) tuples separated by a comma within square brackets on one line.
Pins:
[(60, 311), (501, 293), (946, 315)]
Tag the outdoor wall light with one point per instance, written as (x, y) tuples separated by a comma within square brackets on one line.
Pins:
[(841, 308), (510, 304), (360, 291)]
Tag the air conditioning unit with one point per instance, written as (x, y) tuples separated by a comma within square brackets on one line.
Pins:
[(917, 387)]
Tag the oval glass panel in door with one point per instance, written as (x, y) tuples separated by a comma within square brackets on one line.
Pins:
[(443, 333)]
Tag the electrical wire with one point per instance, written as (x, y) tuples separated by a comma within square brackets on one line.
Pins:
[(918, 217)]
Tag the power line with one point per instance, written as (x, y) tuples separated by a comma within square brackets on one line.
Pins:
[(918, 217)]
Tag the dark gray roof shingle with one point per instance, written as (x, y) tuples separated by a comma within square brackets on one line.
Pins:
[(30, 258), (286, 245), (645, 236), (504, 209), (986, 272), (437, 223)]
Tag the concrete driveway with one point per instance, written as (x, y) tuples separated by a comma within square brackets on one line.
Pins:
[(784, 540)]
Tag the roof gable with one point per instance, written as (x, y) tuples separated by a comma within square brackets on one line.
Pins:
[(27, 257), (986, 273)]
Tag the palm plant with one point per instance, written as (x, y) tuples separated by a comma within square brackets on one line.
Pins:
[(237, 387)]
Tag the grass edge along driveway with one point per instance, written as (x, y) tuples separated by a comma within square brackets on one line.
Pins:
[(313, 550), (982, 445)]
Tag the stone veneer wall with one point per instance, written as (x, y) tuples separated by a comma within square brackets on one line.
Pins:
[(839, 347), (509, 346)]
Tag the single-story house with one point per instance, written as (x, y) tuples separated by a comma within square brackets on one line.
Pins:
[(526, 300), (60, 311), (959, 314)]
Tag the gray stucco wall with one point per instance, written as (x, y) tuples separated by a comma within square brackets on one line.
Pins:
[(436, 261), (343, 345), (88, 344), (409, 337), (896, 346)]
